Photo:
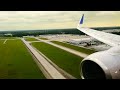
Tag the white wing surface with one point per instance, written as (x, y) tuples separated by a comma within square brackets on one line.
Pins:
[(108, 38)]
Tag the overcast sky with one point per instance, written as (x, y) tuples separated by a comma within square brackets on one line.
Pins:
[(29, 20)]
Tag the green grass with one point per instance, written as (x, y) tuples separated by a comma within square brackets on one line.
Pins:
[(8, 37), (16, 62), (65, 60), (43, 38), (1, 42), (80, 49), (30, 39)]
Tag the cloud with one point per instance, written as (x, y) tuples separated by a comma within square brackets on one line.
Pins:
[(106, 13), (13, 20), (38, 16)]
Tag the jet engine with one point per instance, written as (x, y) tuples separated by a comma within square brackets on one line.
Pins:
[(102, 65)]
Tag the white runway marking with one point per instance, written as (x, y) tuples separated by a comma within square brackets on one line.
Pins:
[(5, 41)]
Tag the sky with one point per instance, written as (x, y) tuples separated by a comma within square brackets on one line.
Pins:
[(37, 20)]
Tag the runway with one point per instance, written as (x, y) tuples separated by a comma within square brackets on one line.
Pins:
[(4, 41), (65, 48), (52, 71)]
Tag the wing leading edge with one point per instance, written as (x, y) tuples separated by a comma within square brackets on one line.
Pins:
[(108, 38)]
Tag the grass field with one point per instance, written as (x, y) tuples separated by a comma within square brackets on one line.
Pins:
[(43, 38), (30, 39), (8, 37), (80, 49), (16, 62), (65, 60), (1, 42)]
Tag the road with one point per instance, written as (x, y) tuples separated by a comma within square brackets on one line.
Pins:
[(65, 48), (53, 72)]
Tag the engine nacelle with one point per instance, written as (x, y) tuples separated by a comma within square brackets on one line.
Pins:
[(102, 65)]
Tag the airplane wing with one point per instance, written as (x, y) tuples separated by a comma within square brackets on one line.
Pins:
[(108, 38)]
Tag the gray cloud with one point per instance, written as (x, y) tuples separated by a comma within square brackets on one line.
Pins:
[(52, 19)]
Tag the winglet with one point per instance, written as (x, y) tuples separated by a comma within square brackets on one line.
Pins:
[(82, 19), (80, 22)]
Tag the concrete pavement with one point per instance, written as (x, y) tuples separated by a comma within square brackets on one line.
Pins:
[(53, 72), (4, 41), (65, 48)]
